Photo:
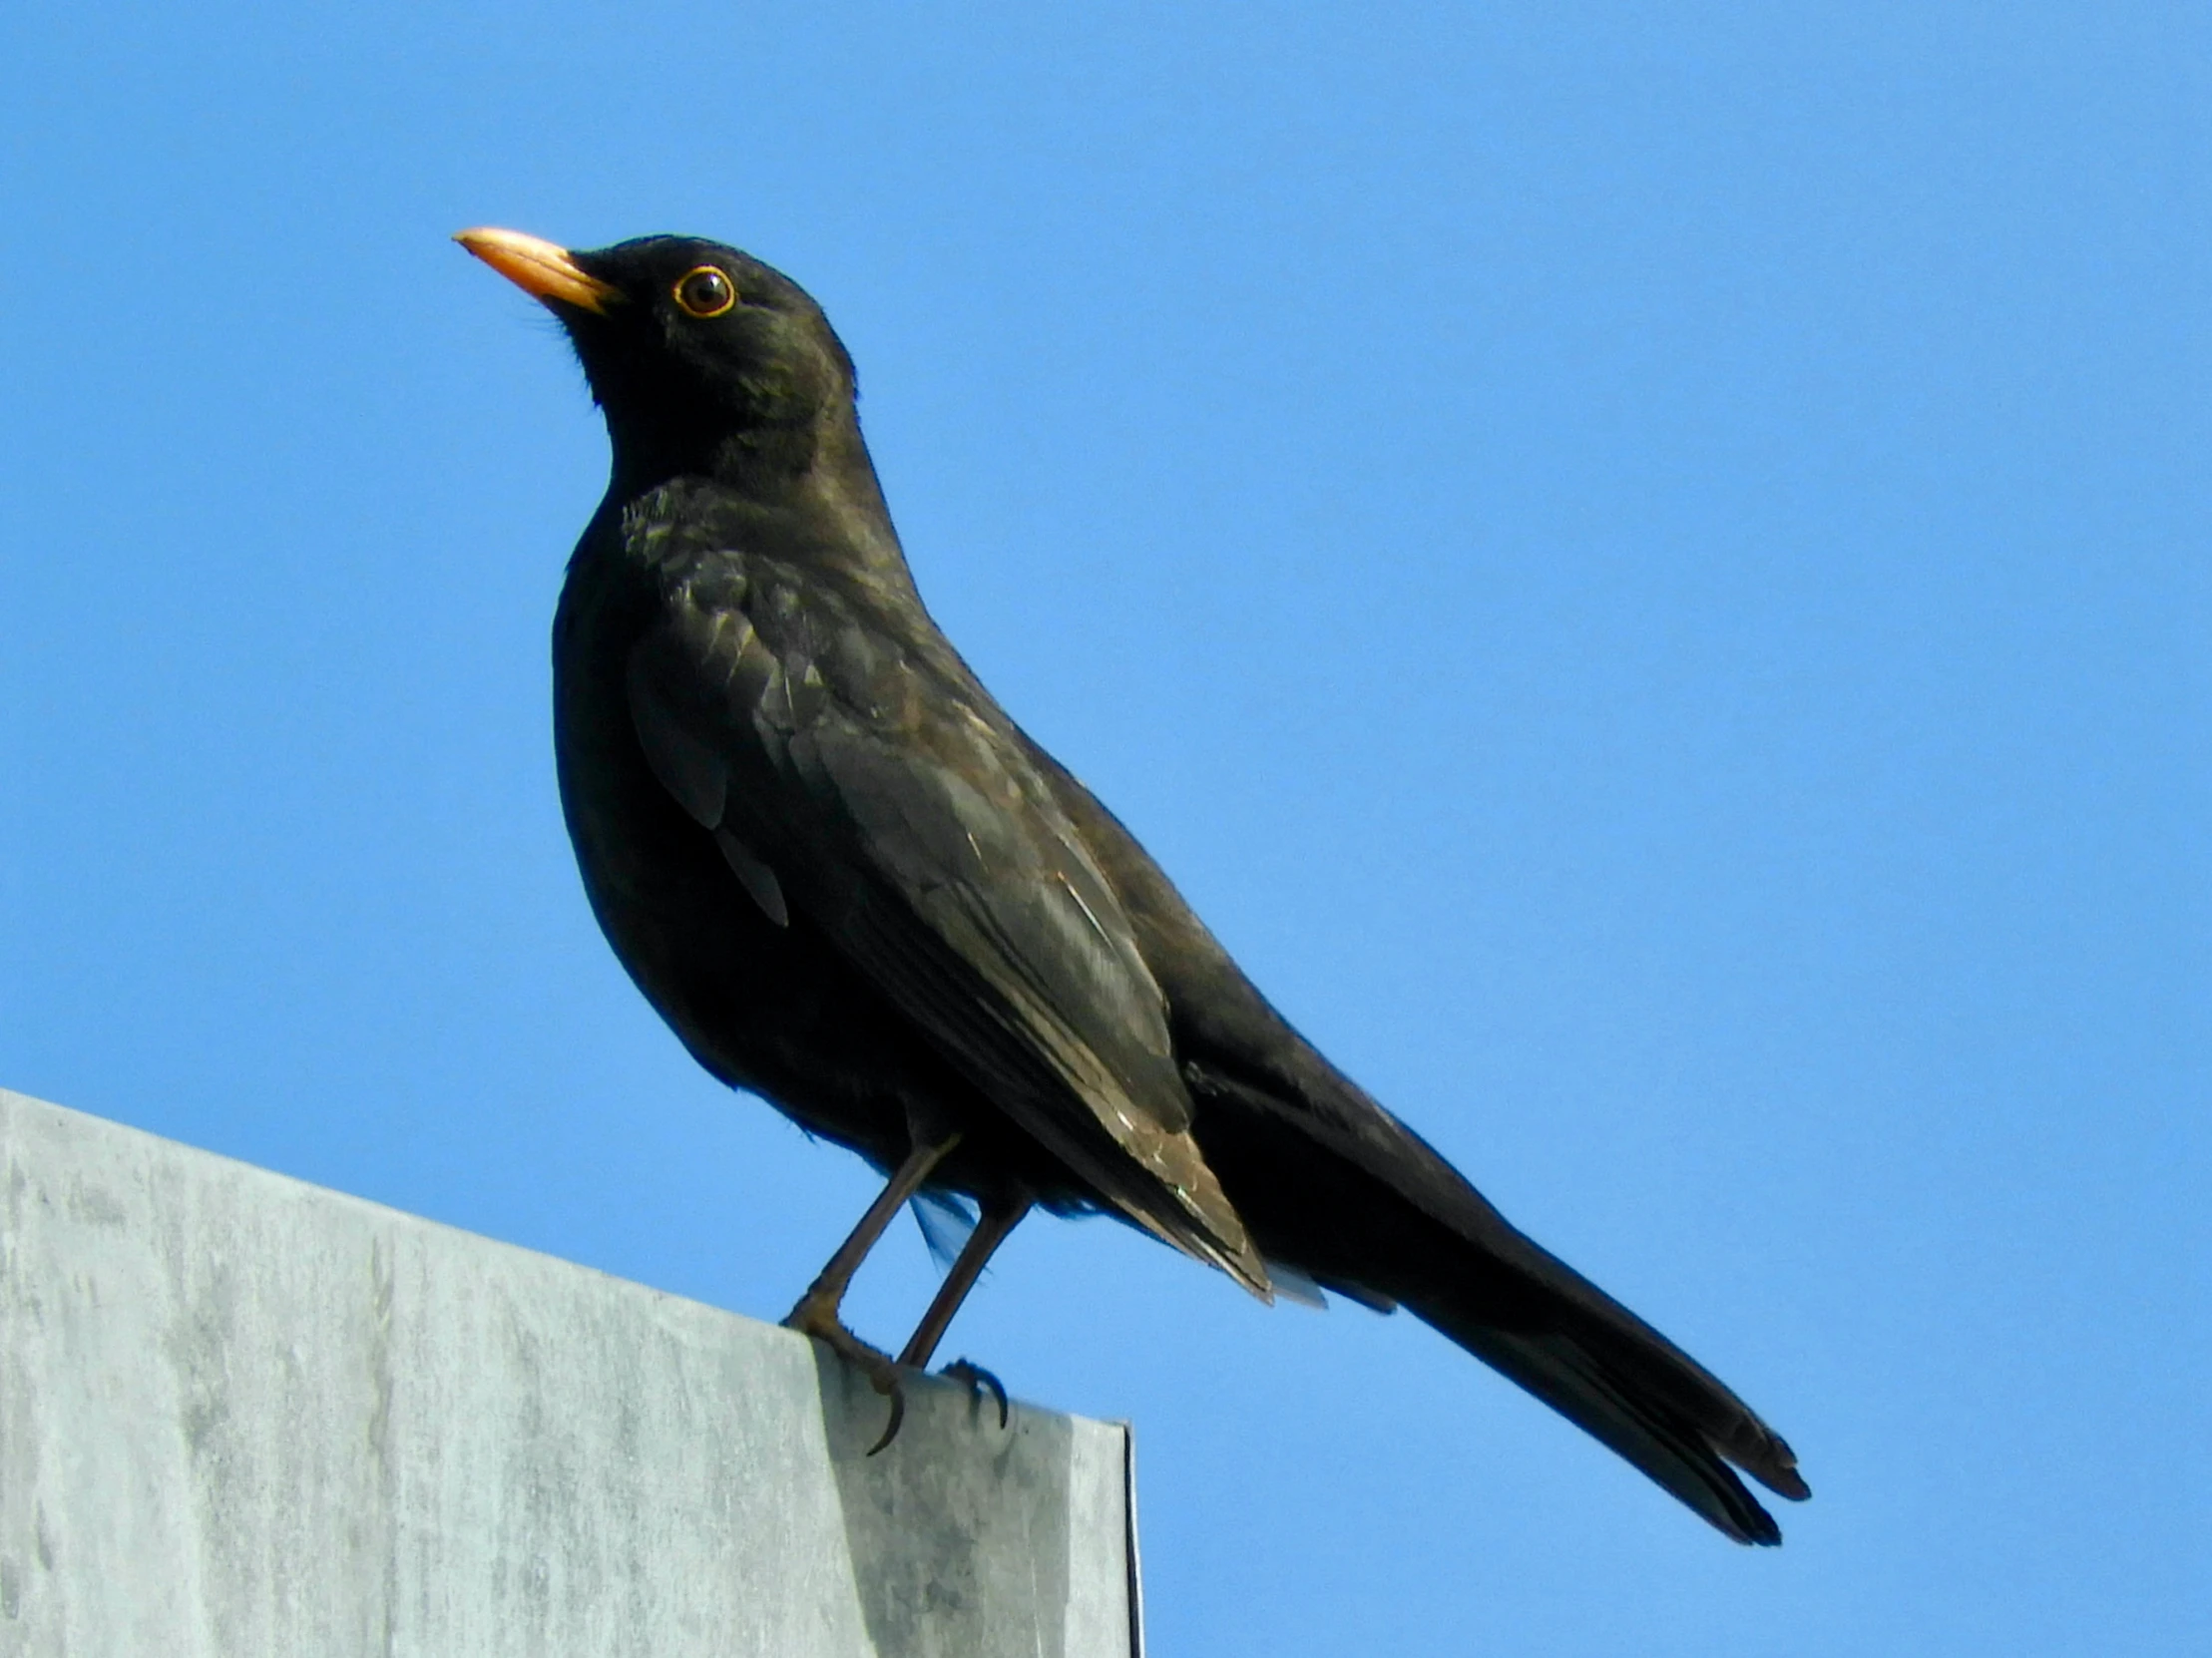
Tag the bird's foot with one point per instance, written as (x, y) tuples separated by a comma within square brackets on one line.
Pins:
[(980, 1382), (816, 1316)]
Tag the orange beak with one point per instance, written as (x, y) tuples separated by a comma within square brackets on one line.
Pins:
[(537, 267)]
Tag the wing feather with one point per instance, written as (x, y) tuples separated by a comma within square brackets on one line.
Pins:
[(893, 805)]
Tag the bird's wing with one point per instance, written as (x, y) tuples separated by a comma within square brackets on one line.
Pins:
[(854, 781)]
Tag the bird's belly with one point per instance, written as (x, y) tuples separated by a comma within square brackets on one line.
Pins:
[(766, 1008)]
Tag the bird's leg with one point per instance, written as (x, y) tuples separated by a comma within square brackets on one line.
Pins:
[(999, 1219), (990, 1231), (816, 1314), (827, 1292)]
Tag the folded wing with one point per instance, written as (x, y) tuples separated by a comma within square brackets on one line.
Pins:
[(856, 781)]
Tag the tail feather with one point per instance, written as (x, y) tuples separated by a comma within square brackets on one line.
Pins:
[(1642, 1427), (1545, 1327), (1331, 1182)]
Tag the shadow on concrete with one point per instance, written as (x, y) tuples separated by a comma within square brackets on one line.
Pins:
[(958, 1529)]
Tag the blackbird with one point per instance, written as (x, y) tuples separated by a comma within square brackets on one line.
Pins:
[(853, 886)]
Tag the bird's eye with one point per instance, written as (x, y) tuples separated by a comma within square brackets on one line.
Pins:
[(705, 292)]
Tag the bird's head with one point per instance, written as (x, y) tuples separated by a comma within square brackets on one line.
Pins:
[(705, 361)]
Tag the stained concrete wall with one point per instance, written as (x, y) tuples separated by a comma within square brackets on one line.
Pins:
[(245, 1416)]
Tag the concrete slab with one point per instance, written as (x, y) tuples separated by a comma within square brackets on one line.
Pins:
[(243, 1416)]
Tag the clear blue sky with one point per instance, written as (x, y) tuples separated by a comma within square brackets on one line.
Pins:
[(1644, 567)]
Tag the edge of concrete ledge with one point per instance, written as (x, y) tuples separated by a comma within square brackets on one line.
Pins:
[(243, 1414)]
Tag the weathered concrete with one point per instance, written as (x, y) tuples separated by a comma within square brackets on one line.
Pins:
[(247, 1417)]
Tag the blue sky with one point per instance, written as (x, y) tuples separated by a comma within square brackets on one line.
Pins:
[(1643, 567)]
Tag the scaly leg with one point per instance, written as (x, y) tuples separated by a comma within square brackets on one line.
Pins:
[(997, 1222), (816, 1314)]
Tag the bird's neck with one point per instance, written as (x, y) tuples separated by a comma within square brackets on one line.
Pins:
[(824, 479), (763, 458)]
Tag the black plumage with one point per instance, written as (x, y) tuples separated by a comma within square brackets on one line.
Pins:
[(852, 885)]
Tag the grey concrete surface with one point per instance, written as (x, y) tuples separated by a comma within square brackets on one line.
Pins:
[(241, 1416)]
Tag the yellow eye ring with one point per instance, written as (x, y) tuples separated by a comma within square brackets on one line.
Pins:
[(706, 290)]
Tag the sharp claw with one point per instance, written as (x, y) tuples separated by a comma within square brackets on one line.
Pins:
[(818, 1319), (979, 1379), (898, 1415)]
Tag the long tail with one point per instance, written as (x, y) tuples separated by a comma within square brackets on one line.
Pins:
[(1548, 1329), (1330, 1183), (1359, 1204)]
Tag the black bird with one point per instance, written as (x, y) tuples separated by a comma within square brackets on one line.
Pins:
[(853, 886)]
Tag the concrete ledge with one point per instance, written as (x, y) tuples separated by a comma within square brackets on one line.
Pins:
[(241, 1416)]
